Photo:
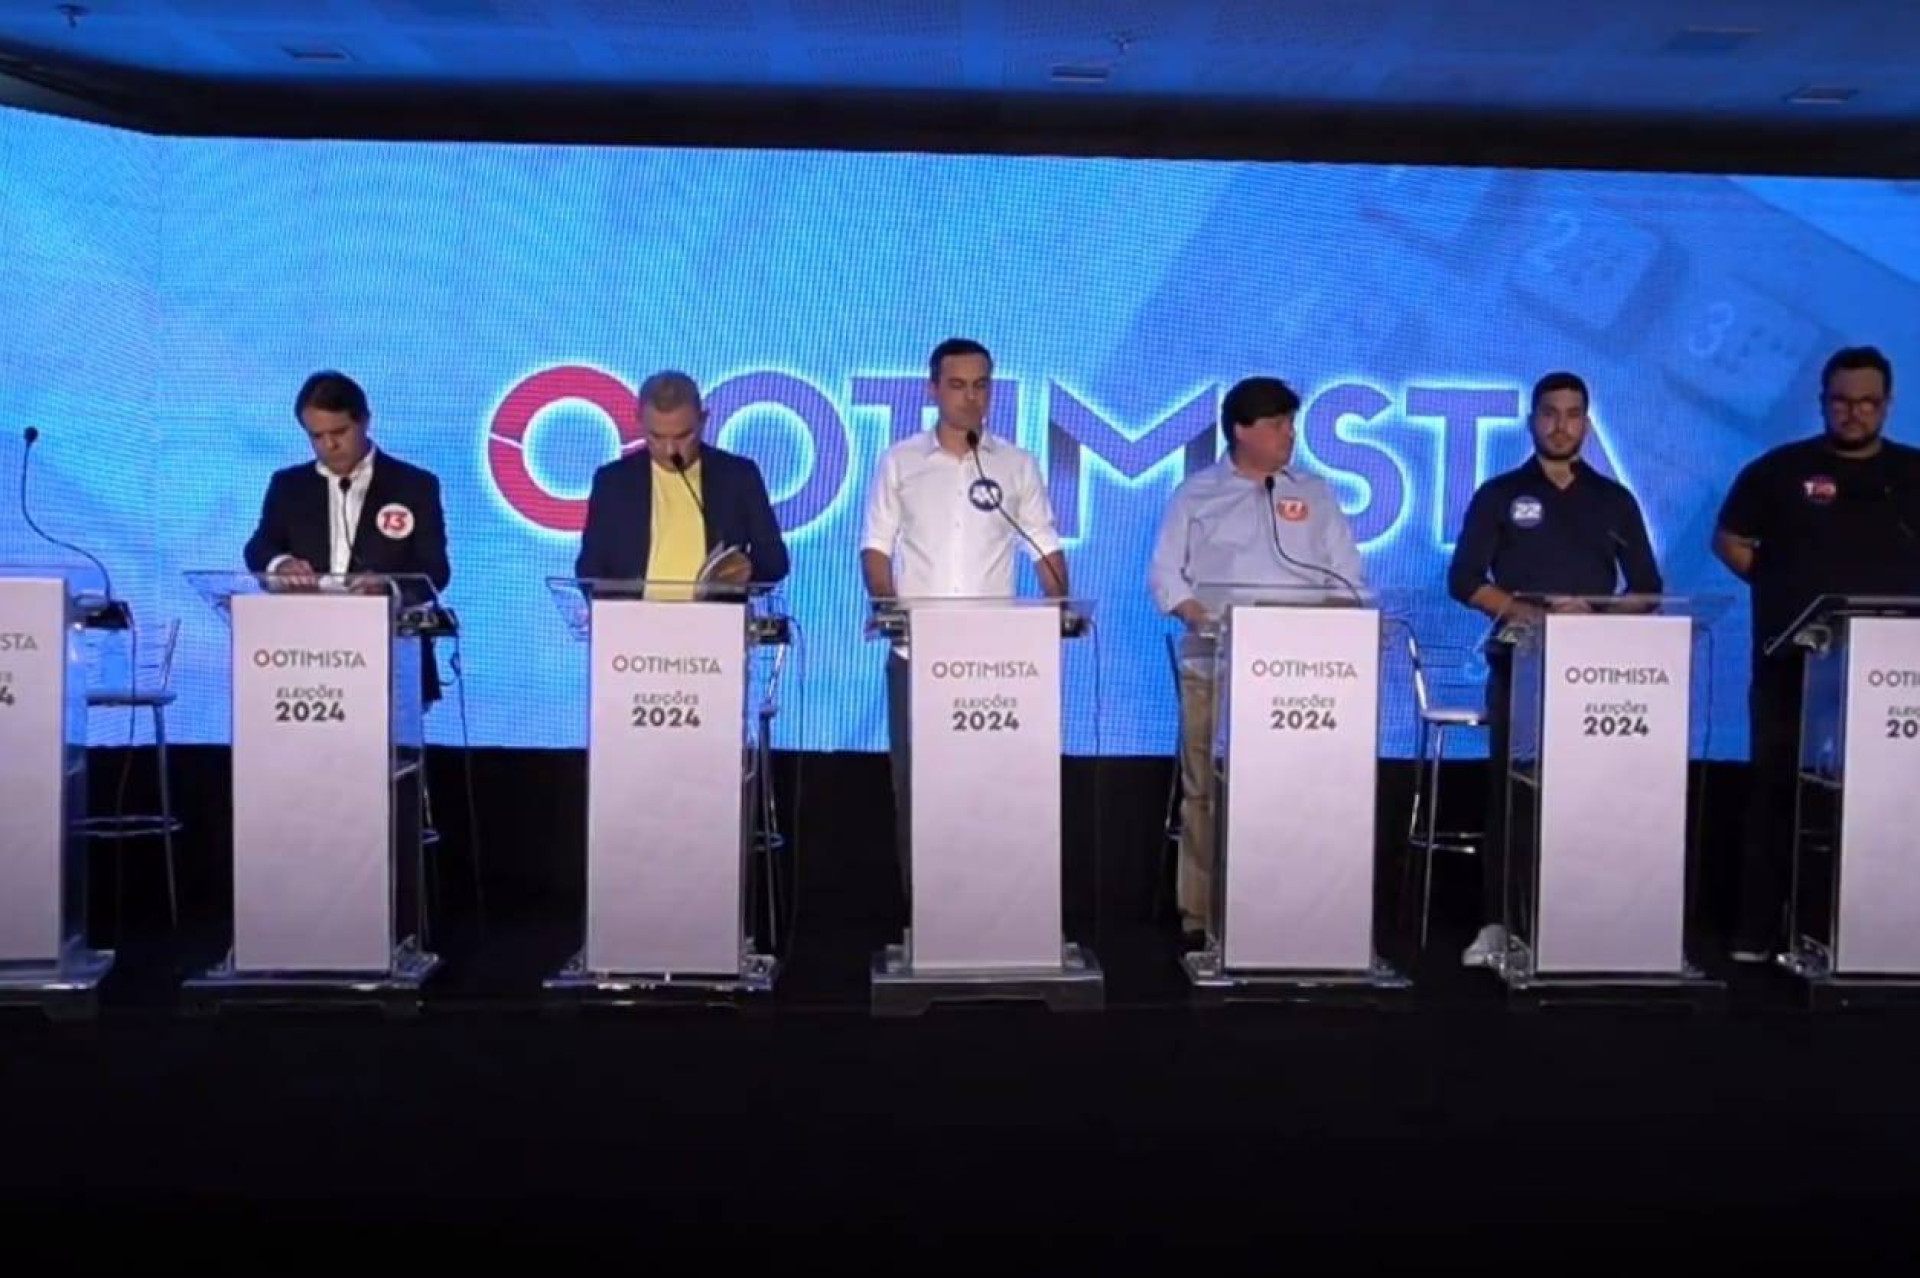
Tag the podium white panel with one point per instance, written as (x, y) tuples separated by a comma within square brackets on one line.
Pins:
[(1614, 739), (985, 776), (666, 809), (1879, 897), (312, 784), (1302, 758), (33, 761)]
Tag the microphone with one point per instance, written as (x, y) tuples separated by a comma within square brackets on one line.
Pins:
[(1899, 520), (113, 609), (346, 523), (999, 505), (1273, 525), (680, 467)]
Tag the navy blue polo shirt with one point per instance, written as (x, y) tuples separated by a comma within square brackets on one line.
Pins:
[(1527, 535)]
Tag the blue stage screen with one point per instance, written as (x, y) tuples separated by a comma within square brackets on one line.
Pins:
[(500, 304)]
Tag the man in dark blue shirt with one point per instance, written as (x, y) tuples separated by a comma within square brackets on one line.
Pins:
[(1535, 538), (1835, 514)]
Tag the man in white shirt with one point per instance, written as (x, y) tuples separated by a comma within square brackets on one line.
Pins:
[(946, 510), (1250, 519)]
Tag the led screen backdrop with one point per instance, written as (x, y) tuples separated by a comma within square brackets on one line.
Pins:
[(165, 297)]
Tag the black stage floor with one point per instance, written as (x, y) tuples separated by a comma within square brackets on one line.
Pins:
[(1451, 1129)]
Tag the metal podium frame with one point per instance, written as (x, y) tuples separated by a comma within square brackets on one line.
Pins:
[(1524, 795), (765, 628), (896, 987), (67, 982), (1823, 632), (413, 610), (1206, 969)]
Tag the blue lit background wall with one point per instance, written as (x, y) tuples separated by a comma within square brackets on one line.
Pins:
[(166, 296)]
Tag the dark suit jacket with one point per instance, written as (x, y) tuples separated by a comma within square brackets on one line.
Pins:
[(295, 520), (617, 540)]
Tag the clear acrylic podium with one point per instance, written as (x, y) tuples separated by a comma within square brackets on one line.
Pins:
[(986, 901), (1854, 907), (328, 749), (1296, 715), (1599, 881), (679, 759), (44, 955)]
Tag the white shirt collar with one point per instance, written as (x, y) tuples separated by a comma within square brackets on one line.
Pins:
[(988, 444)]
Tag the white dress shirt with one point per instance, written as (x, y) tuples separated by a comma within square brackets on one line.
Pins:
[(343, 514), (931, 513)]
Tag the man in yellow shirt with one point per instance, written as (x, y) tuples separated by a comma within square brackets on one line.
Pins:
[(659, 512)]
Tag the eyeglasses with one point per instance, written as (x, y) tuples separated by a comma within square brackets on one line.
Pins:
[(1846, 403)]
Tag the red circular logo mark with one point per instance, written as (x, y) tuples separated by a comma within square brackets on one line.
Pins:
[(1292, 509), (507, 438), (395, 522)]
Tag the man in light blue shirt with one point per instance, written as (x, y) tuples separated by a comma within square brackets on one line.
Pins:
[(1251, 518)]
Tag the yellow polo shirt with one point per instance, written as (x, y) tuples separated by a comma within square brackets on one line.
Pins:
[(678, 545)]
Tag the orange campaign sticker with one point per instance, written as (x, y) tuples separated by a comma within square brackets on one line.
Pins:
[(1292, 509)]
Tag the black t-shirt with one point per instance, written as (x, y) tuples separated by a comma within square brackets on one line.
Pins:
[(1826, 525), (1528, 535)]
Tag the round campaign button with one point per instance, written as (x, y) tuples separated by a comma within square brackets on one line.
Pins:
[(394, 521), (985, 494)]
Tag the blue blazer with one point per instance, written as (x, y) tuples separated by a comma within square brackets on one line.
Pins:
[(616, 542)]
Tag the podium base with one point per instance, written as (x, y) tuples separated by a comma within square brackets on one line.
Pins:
[(1813, 963), (395, 991), (1075, 986), (1213, 981), (575, 986), (66, 988), (1528, 989)]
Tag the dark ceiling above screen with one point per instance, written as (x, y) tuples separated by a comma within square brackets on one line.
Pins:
[(1756, 85)]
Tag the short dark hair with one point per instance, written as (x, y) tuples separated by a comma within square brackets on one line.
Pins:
[(333, 392), (1253, 398), (952, 347), (1848, 357), (669, 389), (1557, 382)]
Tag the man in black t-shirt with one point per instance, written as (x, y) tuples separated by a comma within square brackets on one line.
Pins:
[(1552, 528), (1836, 514)]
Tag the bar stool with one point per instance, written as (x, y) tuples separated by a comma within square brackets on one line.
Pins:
[(1442, 706), (1170, 826), (149, 688)]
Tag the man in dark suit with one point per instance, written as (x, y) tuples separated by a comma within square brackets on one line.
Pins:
[(659, 512), (355, 509)]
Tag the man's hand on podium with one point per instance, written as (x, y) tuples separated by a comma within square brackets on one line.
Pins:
[(1193, 615), (295, 574), (1567, 603)]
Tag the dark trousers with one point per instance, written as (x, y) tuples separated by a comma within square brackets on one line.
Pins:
[(898, 758), (1493, 856), (1766, 853)]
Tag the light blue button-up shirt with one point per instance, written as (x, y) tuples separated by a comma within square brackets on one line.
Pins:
[(1218, 529)]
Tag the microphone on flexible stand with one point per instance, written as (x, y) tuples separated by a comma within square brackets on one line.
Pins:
[(1899, 519), (998, 499), (1273, 524), (346, 524), (111, 612), (680, 467)]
